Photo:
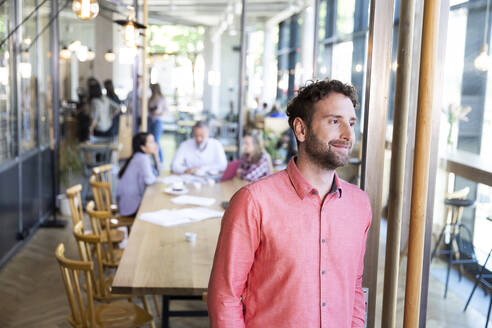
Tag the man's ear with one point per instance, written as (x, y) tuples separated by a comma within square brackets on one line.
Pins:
[(299, 129)]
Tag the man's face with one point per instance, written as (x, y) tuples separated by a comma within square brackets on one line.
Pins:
[(248, 145), (330, 135), (201, 136)]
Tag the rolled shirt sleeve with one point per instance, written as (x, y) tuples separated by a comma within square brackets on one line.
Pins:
[(179, 165), (148, 173), (238, 240)]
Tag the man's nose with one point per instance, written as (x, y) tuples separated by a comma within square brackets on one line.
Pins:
[(346, 132)]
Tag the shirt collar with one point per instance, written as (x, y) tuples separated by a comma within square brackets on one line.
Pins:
[(302, 186), (205, 144)]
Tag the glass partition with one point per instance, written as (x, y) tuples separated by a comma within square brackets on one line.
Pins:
[(28, 77), (7, 115)]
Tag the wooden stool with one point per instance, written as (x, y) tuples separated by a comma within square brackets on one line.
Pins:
[(455, 235)]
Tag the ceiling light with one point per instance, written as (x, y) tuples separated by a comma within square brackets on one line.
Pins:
[(85, 9), (109, 56), (130, 28), (82, 53), (65, 53), (482, 62), (91, 55), (74, 46)]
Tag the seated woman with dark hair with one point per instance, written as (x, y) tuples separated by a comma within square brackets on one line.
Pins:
[(138, 172), (255, 163)]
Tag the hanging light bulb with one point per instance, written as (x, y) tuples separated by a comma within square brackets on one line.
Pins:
[(482, 62), (85, 9), (65, 53), (91, 55), (74, 46), (82, 53), (130, 35), (109, 56), (130, 28)]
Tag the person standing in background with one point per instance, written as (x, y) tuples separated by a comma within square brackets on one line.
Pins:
[(102, 110), (157, 107), (111, 94)]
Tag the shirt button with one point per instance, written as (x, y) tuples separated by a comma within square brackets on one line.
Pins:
[(323, 240), (323, 304), (323, 272)]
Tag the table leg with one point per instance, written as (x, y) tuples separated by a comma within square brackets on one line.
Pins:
[(165, 311)]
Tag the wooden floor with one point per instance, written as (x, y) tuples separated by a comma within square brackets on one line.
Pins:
[(32, 293)]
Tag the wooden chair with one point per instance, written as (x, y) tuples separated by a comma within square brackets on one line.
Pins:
[(104, 201), (75, 201), (102, 285), (103, 174), (120, 314), (100, 222)]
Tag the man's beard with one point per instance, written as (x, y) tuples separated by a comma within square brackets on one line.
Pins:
[(323, 155)]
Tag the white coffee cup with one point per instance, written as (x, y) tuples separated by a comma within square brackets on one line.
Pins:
[(178, 186), (190, 237)]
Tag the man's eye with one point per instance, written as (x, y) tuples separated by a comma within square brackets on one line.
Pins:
[(352, 123), (334, 121)]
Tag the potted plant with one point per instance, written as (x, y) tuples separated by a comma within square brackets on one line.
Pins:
[(70, 165)]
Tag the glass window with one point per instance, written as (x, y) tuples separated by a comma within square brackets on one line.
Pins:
[(322, 20), (288, 59), (27, 74), (345, 16), (466, 120), (8, 119), (44, 81), (324, 61), (342, 61)]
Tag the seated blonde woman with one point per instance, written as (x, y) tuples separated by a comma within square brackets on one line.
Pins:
[(255, 162)]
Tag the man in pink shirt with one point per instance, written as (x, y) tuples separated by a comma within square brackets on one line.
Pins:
[(291, 247)]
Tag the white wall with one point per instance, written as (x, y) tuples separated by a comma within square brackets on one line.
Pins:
[(103, 42), (229, 73), (212, 80)]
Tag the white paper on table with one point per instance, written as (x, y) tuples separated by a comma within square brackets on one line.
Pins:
[(185, 178), (193, 200), (168, 218)]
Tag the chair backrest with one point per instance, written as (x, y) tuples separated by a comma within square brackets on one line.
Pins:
[(71, 270), (75, 201), (102, 194), (87, 245), (100, 222), (103, 173)]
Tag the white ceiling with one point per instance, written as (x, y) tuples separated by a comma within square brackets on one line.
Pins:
[(212, 12)]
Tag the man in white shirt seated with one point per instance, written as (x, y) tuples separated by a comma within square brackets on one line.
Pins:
[(200, 154)]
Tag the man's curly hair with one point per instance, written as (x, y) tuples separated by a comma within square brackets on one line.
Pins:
[(303, 104)]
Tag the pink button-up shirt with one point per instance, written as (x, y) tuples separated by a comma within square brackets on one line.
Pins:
[(285, 258)]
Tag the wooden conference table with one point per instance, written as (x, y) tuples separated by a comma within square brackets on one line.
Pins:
[(158, 260)]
